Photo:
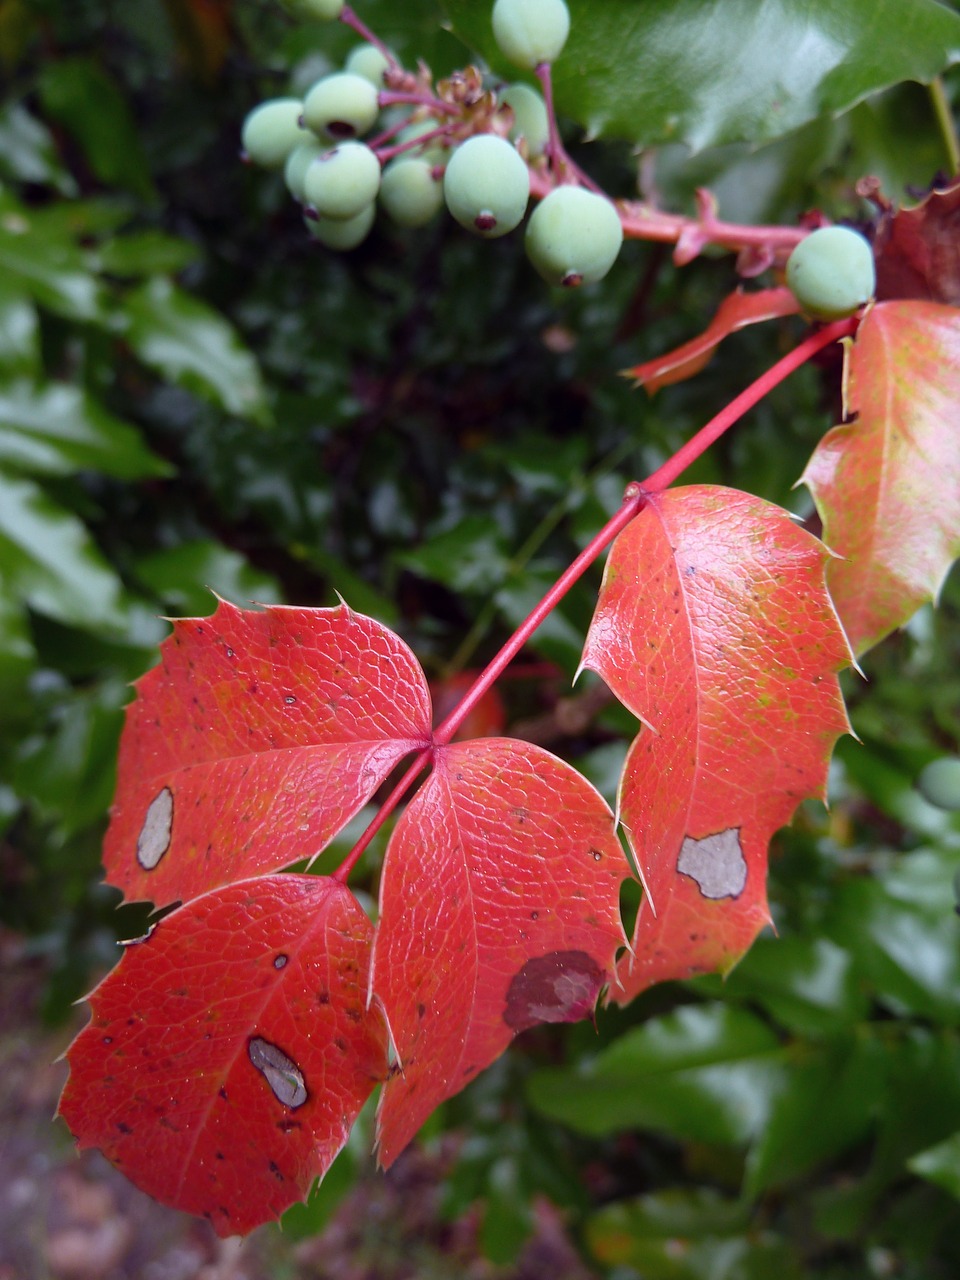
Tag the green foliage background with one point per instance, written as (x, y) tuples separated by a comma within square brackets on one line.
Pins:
[(194, 396)]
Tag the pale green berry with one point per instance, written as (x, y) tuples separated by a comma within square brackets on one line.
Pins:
[(573, 236), (368, 61), (831, 272), (939, 782), (343, 233), (487, 185), (530, 119), (342, 105), (272, 130), (529, 32), (342, 181), (409, 192), (433, 150), (298, 161), (325, 10)]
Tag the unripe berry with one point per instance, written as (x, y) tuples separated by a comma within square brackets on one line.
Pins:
[(939, 782), (530, 119), (298, 162), (343, 233), (325, 10), (342, 105), (573, 236), (433, 150), (831, 272), (409, 192), (341, 182), (272, 130), (487, 185), (366, 60), (529, 32)]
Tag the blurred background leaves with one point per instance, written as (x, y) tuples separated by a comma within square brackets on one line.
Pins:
[(194, 397)]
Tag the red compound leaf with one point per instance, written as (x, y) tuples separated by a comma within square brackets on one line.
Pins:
[(255, 740), (887, 484), (737, 311), (231, 1050), (499, 910), (715, 628)]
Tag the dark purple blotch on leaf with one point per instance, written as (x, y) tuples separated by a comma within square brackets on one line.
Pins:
[(559, 987)]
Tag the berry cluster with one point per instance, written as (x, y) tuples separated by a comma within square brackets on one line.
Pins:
[(475, 146), (470, 146)]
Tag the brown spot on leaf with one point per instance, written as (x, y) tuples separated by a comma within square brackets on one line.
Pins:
[(559, 987), (157, 830)]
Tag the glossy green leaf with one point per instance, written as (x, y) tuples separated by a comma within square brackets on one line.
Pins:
[(48, 267), (28, 152), (81, 95), (940, 1164), (17, 656), (190, 343), (470, 557), (48, 559), (830, 1098), (19, 332), (720, 71), (185, 576), (809, 984), (706, 1073), (687, 1234), (902, 930), (57, 429), (146, 253), (68, 772)]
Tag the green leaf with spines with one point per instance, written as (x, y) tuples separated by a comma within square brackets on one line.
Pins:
[(654, 71)]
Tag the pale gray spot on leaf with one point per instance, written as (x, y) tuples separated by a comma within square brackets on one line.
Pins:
[(154, 838), (282, 1074), (716, 863)]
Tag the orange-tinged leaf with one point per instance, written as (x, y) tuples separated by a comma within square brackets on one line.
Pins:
[(887, 484), (499, 909), (254, 741), (737, 311), (229, 1053), (715, 628)]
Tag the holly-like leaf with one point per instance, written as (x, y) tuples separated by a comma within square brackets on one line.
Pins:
[(715, 628), (255, 740), (499, 909), (887, 482), (229, 1053), (917, 250), (737, 311), (685, 71)]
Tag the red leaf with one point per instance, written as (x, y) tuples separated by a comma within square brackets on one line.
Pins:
[(499, 909), (231, 1050), (737, 311), (887, 485), (714, 627), (255, 740), (918, 250)]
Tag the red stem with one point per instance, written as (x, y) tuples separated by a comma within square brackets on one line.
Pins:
[(738, 406), (633, 500), (392, 97), (350, 18), (417, 766)]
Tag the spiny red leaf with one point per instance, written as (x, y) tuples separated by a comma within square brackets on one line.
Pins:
[(255, 740), (229, 1053), (737, 311), (887, 484), (499, 909), (918, 250), (714, 627)]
